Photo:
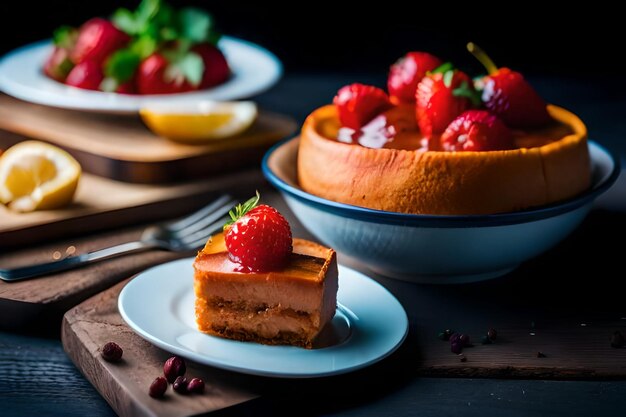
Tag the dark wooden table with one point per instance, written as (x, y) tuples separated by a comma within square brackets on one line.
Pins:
[(37, 378)]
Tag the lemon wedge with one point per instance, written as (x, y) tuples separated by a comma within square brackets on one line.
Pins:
[(199, 122), (37, 176)]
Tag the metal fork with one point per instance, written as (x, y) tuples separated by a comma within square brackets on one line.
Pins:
[(183, 235)]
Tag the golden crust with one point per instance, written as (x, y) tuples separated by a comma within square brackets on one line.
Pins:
[(446, 183)]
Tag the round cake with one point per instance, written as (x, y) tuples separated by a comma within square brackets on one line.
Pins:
[(436, 182), (524, 153)]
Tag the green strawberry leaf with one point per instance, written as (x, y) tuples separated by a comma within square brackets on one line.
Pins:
[(122, 64), (240, 210), (65, 37), (465, 90), (443, 68), (448, 76)]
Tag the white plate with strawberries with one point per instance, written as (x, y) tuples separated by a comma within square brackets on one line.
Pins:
[(133, 58), (253, 70)]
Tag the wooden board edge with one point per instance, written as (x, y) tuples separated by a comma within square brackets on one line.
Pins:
[(88, 361)]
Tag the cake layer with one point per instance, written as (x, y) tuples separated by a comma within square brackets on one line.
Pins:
[(298, 286), (260, 323), (290, 305), (434, 182)]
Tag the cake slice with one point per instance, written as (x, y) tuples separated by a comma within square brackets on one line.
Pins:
[(290, 305)]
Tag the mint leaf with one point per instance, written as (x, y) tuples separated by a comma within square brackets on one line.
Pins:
[(147, 9), (147, 20), (165, 16), (191, 66), (168, 34), (195, 24), (122, 65), (65, 37), (144, 46), (126, 21)]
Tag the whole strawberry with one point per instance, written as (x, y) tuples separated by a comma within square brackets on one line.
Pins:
[(509, 96), (407, 72), (441, 96), (97, 39), (258, 238), (87, 75), (216, 69), (476, 130), (357, 104)]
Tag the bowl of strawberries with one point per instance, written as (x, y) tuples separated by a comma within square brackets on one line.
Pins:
[(444, 178), (121, 63)]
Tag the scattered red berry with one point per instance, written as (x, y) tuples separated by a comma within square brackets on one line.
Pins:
[(509, 96), (216, 69), (112, 352), (440, 98), (407, 72), (158, 387), (465, 340), (173, 368), (97, 39), (87, 75), (180, 385), (476, 130), (195, 386), (357, 104), (456, 347), (258, 238)]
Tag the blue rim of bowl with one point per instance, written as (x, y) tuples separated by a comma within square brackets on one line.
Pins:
[(440, 221)]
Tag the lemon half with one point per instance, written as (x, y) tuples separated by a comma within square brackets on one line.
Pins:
[(201, 121), (37, 176)]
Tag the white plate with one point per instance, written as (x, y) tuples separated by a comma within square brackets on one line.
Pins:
[(254, 69), (369, 325)]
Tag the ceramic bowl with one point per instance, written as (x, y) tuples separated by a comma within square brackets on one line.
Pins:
[(434, 248)]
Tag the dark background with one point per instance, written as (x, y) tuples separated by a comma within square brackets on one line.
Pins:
[(328, 36)]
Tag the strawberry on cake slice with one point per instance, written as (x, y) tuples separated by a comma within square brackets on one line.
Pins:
[(255, 283)]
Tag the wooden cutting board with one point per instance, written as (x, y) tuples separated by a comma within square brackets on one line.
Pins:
[(124, 385), (122, 148), (101, 203)]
